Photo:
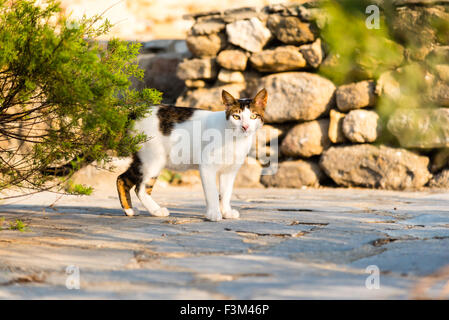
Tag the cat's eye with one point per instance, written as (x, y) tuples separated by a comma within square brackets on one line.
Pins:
[(236, 116), (254, 116)]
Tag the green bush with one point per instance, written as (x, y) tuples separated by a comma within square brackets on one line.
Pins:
[(396, 54), (18, 225), (77, 189), (65, 98), (359, 53)]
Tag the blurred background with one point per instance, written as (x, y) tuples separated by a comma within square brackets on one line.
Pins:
[(154, 19)]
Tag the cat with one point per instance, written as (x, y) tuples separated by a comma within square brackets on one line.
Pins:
[(216, 143)]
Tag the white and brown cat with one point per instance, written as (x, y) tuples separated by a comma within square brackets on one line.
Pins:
[(216, 143)]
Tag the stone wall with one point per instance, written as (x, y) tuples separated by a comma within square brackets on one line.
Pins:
[(327, 134)]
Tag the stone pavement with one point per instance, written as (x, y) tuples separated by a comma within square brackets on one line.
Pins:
[(288, 244)]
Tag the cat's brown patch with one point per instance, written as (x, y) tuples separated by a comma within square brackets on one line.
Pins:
[(149, 186), (123, 193), (171, 115), (127, 180)]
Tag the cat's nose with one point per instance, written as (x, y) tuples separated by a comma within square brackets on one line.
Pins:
[(245, 127)]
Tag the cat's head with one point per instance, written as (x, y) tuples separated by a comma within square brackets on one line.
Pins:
[(245, 115)]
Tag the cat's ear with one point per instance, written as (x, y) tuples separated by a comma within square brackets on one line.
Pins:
[(260, 100), (228, 99)]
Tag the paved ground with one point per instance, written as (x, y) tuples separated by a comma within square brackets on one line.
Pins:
[(288, 244)]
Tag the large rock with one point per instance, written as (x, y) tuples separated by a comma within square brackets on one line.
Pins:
[(439, 54), (395, 85), (362, 126), (387, 85), (195, 84), (291, 30), (417, 53), (267, 140), (229, 76), (313, 53), (233, 59), (420, 128), (335, 132), (243, 13), (439, 160), (294, 174), (440, 94), (249, 174), (270, 132), (416, 25), (250, 35), (209, 98), (306, 139), (442, 70), (160, 73), (356, 95), (206, 45), (296, 96), (375, 167), (197, 69), (440, 180), (286, 58), (263, 153), (208, 26)]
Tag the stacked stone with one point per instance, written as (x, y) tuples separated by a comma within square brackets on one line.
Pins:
[(243, 50), (425, 128), (237, 47), (323, 131)]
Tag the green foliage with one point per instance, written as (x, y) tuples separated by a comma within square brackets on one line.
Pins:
[(395, 55), (410, 84), (358, 52), (18, 225), (78, 189), (170, 176), (64, 97)]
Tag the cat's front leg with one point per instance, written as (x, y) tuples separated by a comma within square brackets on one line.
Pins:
[(208, 175), (226, 186)]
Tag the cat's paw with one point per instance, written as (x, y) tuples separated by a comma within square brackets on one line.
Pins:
[(213, 215), (161, 212), (129, 212), (231, 214)]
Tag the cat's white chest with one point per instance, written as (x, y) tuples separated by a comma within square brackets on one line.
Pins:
[(235, 153)]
